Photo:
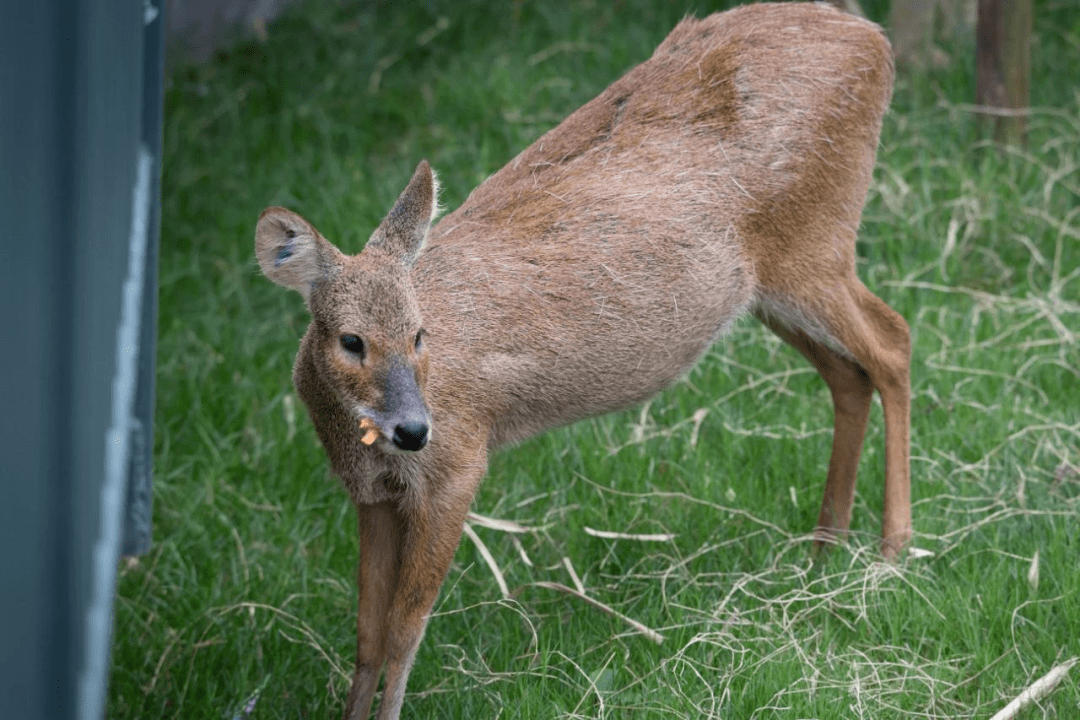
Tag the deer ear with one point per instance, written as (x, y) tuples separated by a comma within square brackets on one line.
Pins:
[(291, 251), (404, 231)]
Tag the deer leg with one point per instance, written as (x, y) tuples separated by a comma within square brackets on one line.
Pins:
[(875, 353), (888, 362), (431, 533), (380, 541), (851, 394)]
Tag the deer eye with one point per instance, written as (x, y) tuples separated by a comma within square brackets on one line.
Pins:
[(353, 344), (419, 337)]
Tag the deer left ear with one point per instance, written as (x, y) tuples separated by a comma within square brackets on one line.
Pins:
[(403, 232)]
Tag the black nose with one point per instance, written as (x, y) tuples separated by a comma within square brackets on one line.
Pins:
[(411, 435)]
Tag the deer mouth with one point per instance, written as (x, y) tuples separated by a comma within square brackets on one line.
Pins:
[(406, 437)]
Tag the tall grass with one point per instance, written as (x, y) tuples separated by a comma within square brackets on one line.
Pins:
[(249, 590)]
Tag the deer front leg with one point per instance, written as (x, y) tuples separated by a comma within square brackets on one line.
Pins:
[(380, 543), (431, 536), (404, 558)]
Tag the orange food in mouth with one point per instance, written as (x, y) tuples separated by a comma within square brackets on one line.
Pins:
[(372, 432)]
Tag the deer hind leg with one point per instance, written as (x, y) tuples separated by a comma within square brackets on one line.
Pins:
[(380, 541), (858, 344)]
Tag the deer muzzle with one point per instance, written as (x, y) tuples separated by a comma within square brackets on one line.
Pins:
[(407, 421)]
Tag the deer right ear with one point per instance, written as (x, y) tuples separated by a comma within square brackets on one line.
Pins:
[(291, 251)]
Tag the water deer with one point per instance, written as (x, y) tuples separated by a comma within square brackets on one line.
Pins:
[(722, 177)]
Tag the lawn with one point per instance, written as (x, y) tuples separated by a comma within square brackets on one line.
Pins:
[(249, 591)]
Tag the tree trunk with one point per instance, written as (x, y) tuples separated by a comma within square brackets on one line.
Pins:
[(1003, 67)]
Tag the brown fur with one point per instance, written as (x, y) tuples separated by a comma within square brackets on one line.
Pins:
[(724, 176)]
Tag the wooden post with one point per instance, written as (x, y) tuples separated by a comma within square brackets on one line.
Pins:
[(1003, 67)]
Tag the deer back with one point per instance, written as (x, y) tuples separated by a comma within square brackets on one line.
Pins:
[(598, 265)]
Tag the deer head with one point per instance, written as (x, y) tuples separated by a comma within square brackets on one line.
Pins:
[(366, 336)]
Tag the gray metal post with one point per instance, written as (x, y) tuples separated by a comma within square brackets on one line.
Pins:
[(80, 97)]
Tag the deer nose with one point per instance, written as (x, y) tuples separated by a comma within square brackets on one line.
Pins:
[(411, 435)]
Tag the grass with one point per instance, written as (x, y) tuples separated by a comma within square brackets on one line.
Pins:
[(250, 584)]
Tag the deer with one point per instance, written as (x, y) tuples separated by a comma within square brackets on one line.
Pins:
[(723, 177)]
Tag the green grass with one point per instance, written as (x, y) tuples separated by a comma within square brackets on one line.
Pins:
[(250, 583)]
